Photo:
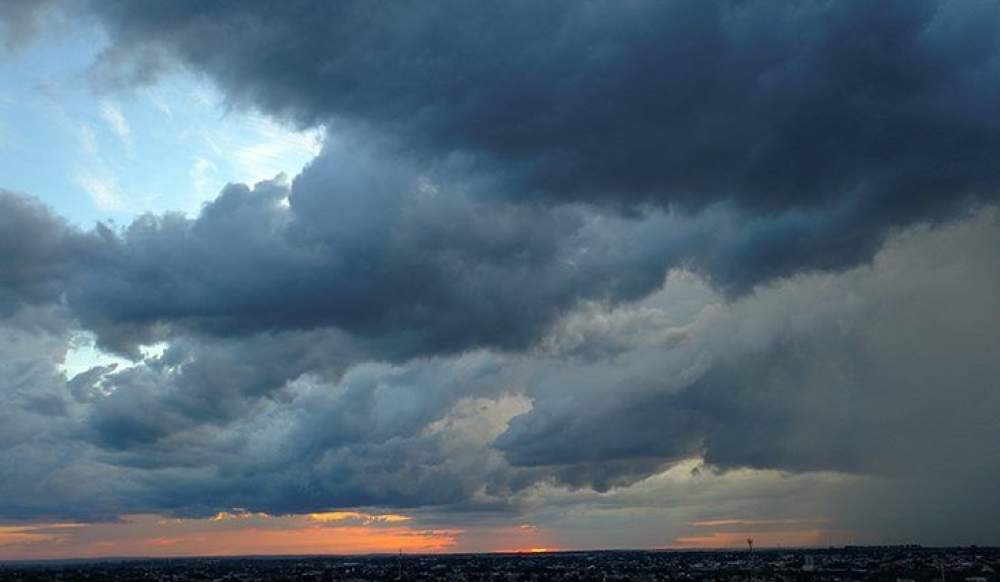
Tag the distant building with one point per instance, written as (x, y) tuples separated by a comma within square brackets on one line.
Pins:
[(810, 563)]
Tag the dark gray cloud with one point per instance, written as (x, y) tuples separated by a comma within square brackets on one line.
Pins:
[(38, 248), (844, 373), (44, 467), (195, 383), (237, 423), (855, 116), (360, 248), (406, 262), (477, 150), (883, 371)]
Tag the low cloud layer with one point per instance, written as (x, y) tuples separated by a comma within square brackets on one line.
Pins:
[(883, 372)]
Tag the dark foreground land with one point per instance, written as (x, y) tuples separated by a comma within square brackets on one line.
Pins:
[(888, 564)]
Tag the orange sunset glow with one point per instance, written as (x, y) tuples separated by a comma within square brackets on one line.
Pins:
[(239, 532), (222, 535)]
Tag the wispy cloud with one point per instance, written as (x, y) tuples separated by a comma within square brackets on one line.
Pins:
[(11, 535), (260, 148), (201, 173), (87, 140), (335, 516), (113, 117), (239, 513), (103, 193), (158, 103)]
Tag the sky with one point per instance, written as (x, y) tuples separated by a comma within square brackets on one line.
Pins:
[(454, 277)]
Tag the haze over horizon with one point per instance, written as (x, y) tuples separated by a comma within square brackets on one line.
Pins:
[(353, 277)]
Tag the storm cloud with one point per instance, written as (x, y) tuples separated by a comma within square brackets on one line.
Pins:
[(547, 250), (472, 152), (837, 119)]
